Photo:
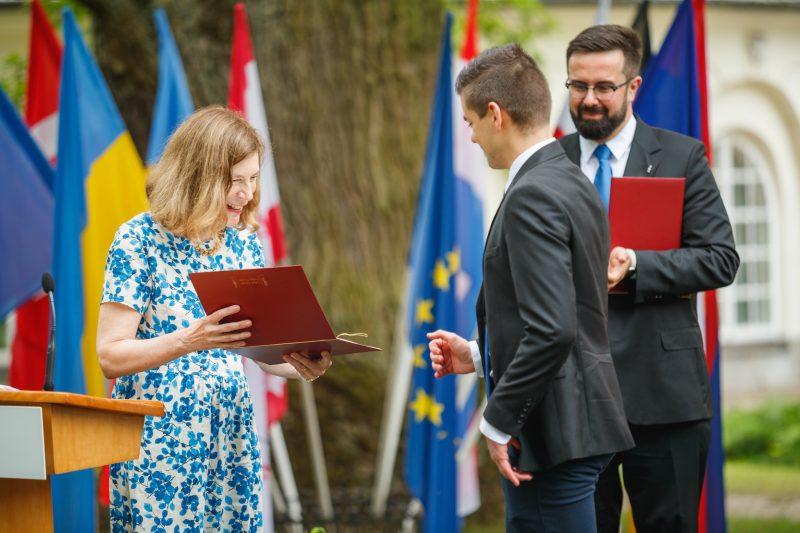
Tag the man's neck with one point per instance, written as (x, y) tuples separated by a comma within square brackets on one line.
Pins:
[(520, 142)]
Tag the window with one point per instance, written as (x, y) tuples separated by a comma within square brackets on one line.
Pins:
[(749, 307)]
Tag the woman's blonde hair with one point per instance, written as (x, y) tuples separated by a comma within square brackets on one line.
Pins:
[(188, 187)]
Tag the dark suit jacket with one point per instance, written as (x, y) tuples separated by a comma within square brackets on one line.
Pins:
[(655, 337), (544, 304)]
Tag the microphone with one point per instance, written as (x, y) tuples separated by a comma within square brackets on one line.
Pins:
[(49, 287)]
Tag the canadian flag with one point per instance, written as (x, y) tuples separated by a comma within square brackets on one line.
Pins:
[(270, 398)]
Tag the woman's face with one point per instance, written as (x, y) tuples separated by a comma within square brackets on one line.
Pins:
[(244, 176)]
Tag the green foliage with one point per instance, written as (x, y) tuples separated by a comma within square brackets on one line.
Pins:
[(770, 434), (12, 78), (502, 22)]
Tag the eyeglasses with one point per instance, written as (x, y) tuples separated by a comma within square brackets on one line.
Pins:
[(602, 91)]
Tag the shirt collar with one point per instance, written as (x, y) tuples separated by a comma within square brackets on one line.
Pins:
[(618, 145), (523, 157)]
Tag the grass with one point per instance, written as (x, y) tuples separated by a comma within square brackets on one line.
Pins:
[(740, 524), (763, 479)]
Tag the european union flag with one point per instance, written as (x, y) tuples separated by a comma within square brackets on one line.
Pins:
[(445, 264)]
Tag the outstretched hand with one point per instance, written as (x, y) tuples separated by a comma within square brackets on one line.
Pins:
[(207, 332), (450, 354)]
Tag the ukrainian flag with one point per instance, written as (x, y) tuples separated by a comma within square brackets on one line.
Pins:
[(99, 184)]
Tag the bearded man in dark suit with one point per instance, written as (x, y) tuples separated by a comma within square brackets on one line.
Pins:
[(655, 338), (554, 416)]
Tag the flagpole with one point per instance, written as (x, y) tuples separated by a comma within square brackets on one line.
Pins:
[(284, 468), (399, 381), (317, 454)]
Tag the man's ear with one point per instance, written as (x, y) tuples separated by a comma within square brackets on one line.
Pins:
[(496, 113), (633, 87)]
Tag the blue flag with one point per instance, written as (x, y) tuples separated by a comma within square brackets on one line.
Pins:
[(26, 207), (173, 99), (670, 95), (445, 264), (673, 96)]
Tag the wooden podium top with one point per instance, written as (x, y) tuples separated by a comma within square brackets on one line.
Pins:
[(29, 397)]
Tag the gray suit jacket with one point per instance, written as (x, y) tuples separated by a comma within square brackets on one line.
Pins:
[(655, 337), (544, 305)]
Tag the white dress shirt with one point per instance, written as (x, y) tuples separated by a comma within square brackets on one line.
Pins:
[(620, 147)]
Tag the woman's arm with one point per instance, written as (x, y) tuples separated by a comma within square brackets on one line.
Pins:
[(120, 353)]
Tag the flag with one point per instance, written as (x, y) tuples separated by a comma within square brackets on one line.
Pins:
[(564, 124), (99, 184), (445, 266), (244, 95), (641, 24), (677, 74), (470, 165), (26, 211), (269, 392), (29, 341), (173, 99)]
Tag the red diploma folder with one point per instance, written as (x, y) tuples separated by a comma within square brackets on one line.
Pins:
[(284, 310), (646, 213)]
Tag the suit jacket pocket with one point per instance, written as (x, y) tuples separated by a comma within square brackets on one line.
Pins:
[(681, 339)]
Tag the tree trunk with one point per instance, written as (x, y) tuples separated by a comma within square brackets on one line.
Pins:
[(348, 87)]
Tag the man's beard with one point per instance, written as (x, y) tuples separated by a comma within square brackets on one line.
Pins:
[(598, 130)]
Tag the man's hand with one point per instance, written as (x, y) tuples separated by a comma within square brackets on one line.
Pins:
[(499, 454), (450, 354), (618, 264)]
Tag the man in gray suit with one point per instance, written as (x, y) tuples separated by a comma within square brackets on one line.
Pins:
[(655, 339), (554, 416)]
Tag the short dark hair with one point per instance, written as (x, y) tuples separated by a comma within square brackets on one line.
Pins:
[(608, 37), (509, 77)]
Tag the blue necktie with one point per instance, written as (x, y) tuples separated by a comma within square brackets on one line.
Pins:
[(602, 180)]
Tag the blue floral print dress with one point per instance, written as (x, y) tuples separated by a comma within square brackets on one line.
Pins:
[(199, 466)]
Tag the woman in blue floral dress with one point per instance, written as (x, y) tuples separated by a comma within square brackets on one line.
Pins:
[(199, 466)]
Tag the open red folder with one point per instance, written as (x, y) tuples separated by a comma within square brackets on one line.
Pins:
[(646, 213), (284, 310)]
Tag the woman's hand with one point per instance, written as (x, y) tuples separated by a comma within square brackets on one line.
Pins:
[(307, 368), (207, 332), (120, 353)]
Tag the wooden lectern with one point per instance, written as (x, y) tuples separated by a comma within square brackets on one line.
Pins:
[(46, 433)]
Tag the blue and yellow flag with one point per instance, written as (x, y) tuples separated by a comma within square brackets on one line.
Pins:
[(173, 99), (99, 184), (445, 264)]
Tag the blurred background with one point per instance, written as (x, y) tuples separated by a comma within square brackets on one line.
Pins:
[(348, 88)]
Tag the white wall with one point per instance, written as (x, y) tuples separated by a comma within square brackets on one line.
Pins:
[(754, 80)]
